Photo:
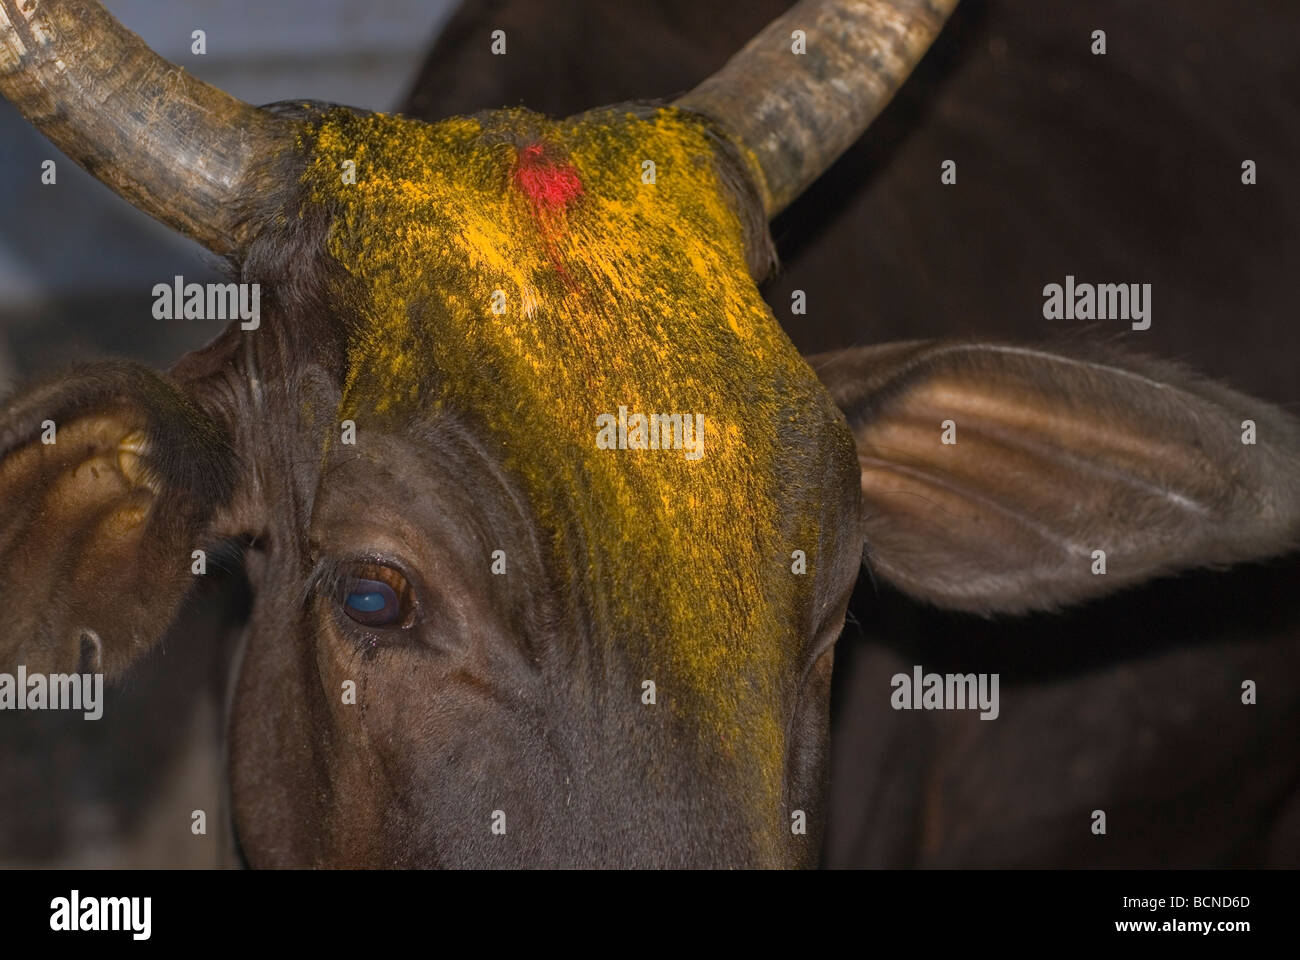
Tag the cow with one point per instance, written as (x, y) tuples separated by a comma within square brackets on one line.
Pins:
[(492, 624)]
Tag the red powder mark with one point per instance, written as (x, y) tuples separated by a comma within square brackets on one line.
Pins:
[(549, 184)]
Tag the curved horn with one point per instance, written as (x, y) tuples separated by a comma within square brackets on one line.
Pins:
[(175, 147), (794, 114)]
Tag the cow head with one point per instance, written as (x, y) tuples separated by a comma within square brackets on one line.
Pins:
[(550, 528)]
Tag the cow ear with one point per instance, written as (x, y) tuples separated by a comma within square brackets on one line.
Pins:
[(998, 478), (109, 480)]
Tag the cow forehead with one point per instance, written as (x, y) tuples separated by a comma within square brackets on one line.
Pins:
[(539, 275)]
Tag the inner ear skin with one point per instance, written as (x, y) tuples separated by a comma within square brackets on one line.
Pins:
[(91, 483), (134, 475)]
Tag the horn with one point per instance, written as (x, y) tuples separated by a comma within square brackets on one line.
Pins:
[(180, 150), (793, 114)]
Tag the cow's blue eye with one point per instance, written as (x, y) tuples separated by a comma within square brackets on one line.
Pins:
[(367, 602), (371, 602)]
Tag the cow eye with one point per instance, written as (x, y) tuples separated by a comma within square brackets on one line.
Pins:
[(375, 597)]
